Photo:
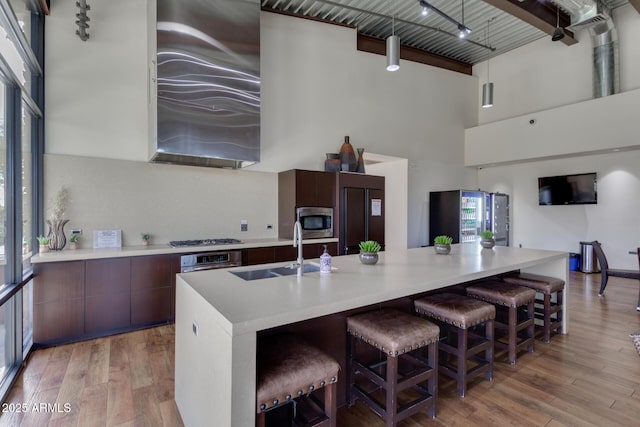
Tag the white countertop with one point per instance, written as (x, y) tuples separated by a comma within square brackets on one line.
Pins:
[(248, 306), (82, 254)]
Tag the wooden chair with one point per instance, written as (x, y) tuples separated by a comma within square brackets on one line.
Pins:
[(607, 272)]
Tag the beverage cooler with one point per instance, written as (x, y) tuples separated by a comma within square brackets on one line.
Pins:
[(497, 217), (463, 214)]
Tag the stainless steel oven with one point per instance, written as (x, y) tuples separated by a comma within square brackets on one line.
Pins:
[(316, 222), (210, 260)]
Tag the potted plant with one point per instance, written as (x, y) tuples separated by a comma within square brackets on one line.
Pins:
[(442, 244), (73, 241), (486, 239), (145, 238), (44, 243), (369, 252)]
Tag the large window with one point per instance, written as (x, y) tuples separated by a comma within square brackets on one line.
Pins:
[(20, 180)]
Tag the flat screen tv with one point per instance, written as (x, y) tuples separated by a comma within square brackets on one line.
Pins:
[(579, 189)]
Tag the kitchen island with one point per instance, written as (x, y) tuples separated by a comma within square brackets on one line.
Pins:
[(219, 315)]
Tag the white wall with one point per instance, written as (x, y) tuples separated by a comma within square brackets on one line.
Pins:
[(613, 221), (546, 74), (316, 88), (531, 81)]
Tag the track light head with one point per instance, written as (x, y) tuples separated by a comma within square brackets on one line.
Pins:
[(558, 34)]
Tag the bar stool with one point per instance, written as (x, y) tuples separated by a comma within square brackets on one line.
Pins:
[(551, 310), (461, 319), (397, 335), (518, 302), (289, 368)]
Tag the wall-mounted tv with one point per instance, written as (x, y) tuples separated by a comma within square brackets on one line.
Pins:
[(579, 189)]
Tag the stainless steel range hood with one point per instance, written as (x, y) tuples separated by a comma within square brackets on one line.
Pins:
[(208, 83)]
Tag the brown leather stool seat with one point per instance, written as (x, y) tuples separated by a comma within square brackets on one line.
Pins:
[(514, 314), (549, 308), (289, 368), (460, 319), (399, 336)]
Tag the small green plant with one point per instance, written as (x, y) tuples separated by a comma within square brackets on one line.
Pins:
[(370, 246), (486, 234), (443, 240), (145, 236), (43, 240), (74, 238)]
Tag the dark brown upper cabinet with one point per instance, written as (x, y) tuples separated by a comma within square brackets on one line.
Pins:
[(302, 188)]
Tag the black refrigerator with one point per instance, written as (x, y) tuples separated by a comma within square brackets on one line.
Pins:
[(463, 214), (459, 214)]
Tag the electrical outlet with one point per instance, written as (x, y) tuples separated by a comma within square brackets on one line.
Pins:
[(195, 328), (244, 226), (269, 226)]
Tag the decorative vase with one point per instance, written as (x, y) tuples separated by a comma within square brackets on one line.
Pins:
[(488, 243), (360, 163), (442, 249), (57, 239), (368, 258), (347, 156), (333, 162)]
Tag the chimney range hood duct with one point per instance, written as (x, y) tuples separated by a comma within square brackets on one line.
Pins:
[(594, 16), (208, 83)]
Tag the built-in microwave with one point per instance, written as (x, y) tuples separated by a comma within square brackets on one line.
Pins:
[(315, 222)]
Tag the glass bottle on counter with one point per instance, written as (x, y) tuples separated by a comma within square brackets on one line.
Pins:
[(325, 261)]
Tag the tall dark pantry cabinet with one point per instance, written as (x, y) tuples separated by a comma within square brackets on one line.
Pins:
[(361, 210)]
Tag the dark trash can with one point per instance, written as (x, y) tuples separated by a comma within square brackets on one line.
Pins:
[(574, 261), (589, 261)]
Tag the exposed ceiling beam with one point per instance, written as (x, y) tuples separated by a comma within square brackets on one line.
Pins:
[(539, 15), (375, 45), (635, 4)]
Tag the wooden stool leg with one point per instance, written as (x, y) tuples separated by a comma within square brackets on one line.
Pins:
[(432, 384), (547, 318), (392, 382), (261, 419), (350, 376), (462, 362), (330, 404), (560, 302), (488, 354), (531, 328), (513, 319)]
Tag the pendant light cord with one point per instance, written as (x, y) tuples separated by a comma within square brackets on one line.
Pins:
[(487, 42)]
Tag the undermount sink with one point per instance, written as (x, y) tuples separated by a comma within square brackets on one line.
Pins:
[(266, 273)]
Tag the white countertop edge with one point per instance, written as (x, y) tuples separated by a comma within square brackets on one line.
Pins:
[(161, 249), (252, 325)]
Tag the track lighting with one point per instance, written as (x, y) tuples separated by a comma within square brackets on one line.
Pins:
[(463, 29)]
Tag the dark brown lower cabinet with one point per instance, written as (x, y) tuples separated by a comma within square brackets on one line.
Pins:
[(74, 300), (108, 292), (286, 253), (58, 301), (151, 293)]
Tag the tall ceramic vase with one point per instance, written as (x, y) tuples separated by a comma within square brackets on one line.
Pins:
[(348, 156), (57, 239), (360, 163)]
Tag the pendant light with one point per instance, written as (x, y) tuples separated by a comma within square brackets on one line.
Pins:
[(487, 88), (558, 34), (393, 49)]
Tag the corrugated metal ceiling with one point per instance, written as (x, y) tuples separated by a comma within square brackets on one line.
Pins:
[(431, 33)]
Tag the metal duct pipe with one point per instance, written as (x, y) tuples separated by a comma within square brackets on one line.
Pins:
[(606, 73), (596, 17)]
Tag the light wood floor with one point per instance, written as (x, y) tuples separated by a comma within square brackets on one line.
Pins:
[(589, 377)]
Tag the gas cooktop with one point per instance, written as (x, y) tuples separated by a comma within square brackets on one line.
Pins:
[(203, 242)]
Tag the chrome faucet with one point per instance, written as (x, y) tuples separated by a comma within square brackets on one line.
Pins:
[(297, 242)]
